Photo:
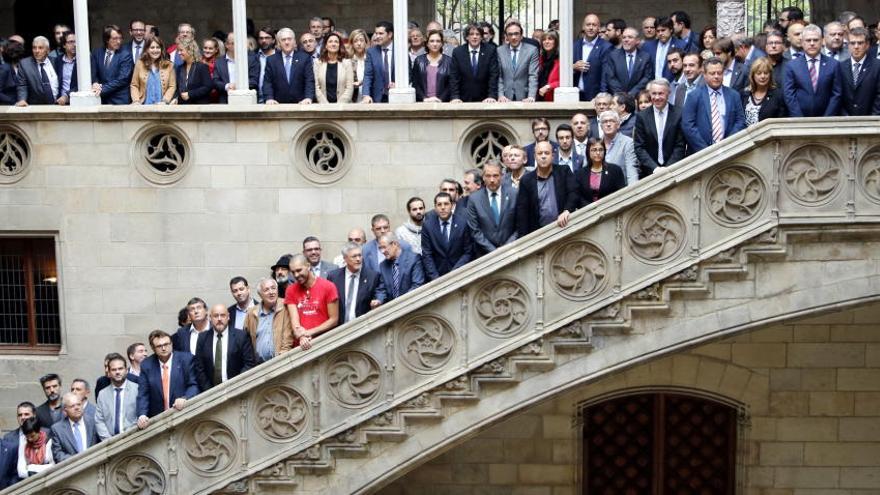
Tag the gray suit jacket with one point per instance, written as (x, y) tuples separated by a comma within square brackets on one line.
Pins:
[(105, 415), (623, 154), (326, 267), (487, 234), (522, 82), (63, 444)]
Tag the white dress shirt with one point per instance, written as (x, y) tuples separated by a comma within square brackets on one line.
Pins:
[(660, 121), (350, 313)]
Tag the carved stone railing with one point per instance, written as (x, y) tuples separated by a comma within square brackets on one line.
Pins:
[(783, 173)]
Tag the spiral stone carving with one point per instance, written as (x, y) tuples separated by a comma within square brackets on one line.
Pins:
[(210, 446), (869, 173), (578, 270), (166, 153), (325, 152), (656, 232), (353, 378), (281, 413), (425, 343), (811, 174), (137, 474), (502, 307), (735, 195)]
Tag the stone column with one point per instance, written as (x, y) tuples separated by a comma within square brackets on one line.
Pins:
[(401, 92), (84, 97), (243, 95), (566, 92), (731, 15)]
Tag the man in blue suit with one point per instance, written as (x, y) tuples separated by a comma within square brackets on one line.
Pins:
[(681, 25), (627, 69), (492, 212), (359, 288), (860, 76), (474, 73), (446, 239), (812, 83), (289, 77), (222, 353), (590, 51), (401, 270), (373, 256), (9, 446), (167, 379), (111, 69), (712, 112), (227, 66), (658, 48), (379, 65), (76, 432)]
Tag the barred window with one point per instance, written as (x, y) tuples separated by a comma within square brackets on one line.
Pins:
[(29, 313)]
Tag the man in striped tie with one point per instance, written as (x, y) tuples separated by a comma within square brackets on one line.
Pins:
[(712, 112), (812, 85)]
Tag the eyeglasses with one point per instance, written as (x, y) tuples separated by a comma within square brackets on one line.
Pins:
[(162, 346)]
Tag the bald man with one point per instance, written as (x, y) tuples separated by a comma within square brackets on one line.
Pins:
[(222, 353)]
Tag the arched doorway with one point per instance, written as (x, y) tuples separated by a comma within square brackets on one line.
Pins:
[(659, 443)]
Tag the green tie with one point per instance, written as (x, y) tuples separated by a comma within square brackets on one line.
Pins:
[(218, 360)]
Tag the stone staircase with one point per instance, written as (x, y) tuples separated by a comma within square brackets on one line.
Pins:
[(557, 308)]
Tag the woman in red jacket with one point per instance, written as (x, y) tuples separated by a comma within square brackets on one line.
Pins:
[(548, 74)]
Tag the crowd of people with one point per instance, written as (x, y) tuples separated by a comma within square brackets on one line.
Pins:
[(659, 96)]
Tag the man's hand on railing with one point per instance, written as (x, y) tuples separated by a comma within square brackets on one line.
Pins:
[(562, 220), (143, 422)]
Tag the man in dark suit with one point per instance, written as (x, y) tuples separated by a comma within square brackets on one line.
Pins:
[(492, 212), (713, 112), (138, 32), (589, 52), (860, 76), (627, 69), (474, 73), (658, 48), (543, 194), (373, 256), (312, 252), (75, 433), (65, 67), (111, 69), (223, 353), (401, 270), (566, 154), (167, 379), (9, 446), (241, 292), (657, 136), (360, 289), (186, 338), (289, 77), (50, 411), (227, 66), (812, 85), (379, 65), (541, 132), (37, 79), (681, 26), (446, 239), (736, 74)]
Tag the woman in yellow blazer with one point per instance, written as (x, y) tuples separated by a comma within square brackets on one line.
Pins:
[(334, 76), (153, 81)]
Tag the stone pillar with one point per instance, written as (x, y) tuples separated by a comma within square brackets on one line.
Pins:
[(731, 15), (84, 97), (401, 92), (243, 95), (566, 92)]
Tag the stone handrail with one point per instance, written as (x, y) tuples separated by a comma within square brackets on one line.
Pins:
[(779, 172)]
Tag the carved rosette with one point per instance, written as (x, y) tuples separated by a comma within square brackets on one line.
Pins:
[(281, 413), (210, 447), (656, 232), (353, 378), (735, 195), (425, 343), (502, 307), (15, 152), (322, 152), (137, 474), (869, 174), (811, 175), (579, 270)]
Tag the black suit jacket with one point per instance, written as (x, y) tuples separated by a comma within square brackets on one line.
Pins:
[(419, 77), (8, 85), (240, 356), (302, 78), (772, 106), (221, 75), (527, 206), (198, 85), (440, 257), (9, 459), (861, 97), (612, 180), (645, 139), (469, 87), (48, 416), (370, 287), (615, 77)]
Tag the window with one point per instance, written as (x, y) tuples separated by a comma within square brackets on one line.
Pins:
[(29, 316)]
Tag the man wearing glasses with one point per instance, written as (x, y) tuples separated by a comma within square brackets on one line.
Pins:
[(519, 67), (167, 379), (138, 32)]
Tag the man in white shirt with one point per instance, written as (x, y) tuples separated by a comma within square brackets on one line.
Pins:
[(117, 404), (74, 434)]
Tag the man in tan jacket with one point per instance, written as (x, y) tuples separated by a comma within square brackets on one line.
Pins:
[(268, 323)]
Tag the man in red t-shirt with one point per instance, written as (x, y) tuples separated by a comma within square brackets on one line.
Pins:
[(312, 302)]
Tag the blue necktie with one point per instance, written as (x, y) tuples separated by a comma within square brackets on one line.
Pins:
[(395, 279), (116, 419), (77, 438), (513, 58), (444, 229), (629, 65), (474, 62), (287, 64), (496, 212)]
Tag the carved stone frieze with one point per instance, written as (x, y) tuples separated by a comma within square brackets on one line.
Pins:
[(869, 174), (579, 270), (502, 307), (281, 413), (656, 232), (137, 474), (425, 343), (210, 446), (353, 378), (731, 17), (812, 174), (735, 195)]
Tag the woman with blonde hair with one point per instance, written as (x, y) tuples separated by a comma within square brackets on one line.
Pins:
[(762, 100), (334, 79), (194, 82), (358, 42), (153, 81)]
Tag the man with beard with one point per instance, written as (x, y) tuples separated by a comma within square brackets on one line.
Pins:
[(692, 71), (411, 230), (241, 293), (281, 272), (266, 40), (312, 303), (268, 323), (613, 30), (675, 65), (117, 403), (49, 412)]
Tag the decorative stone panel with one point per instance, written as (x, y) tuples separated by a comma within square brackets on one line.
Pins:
[(483, 142), (281, 413), (736, 195), (502, 307), (579, 270), (137, 474), (656, 232), (869, 174), (322, 153), (15, 154), (210, 447), (162, 154), (353, 378), (425, 343), (812, 174)]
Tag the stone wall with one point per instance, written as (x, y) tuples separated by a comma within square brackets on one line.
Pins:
[(811, 388)]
